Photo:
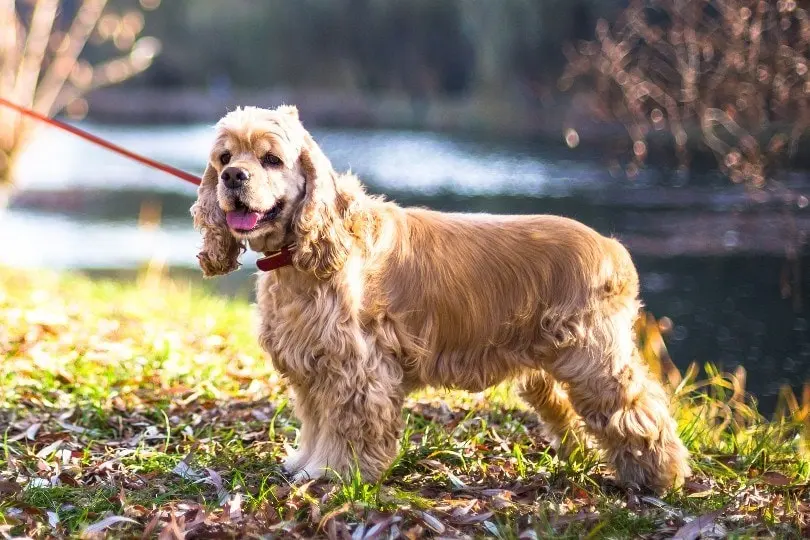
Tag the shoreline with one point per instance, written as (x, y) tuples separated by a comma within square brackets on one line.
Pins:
[(522, 118)]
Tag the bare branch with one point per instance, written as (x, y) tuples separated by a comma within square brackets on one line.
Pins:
[(26, 52), (740, 66), (68, 53), (35, 48)]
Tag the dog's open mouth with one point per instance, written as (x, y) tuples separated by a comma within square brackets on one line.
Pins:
[(244, 220)]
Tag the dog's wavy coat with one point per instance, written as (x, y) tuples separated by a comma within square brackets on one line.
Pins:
[(381, 300)]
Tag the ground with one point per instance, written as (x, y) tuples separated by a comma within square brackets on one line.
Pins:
[(146, 408)]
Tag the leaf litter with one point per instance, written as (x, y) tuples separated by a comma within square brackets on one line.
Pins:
[(140, 412)]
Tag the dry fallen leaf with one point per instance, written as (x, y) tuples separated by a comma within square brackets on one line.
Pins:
[(456, 481), (528, 534), (234, 507), (334, 513), (104, 524), (216, 480), (701, 494), (9, 487), (431, 521), (492, 529), (472, 518), (50, 449), (172, 530), (775, 479), (700, 527), (71, 427), (31, 432), (377, 530)]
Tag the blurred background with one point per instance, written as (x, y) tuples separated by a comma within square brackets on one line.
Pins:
[(678, 126)]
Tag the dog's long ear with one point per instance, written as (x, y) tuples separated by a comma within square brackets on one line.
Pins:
[(220, 250), (323, 242)]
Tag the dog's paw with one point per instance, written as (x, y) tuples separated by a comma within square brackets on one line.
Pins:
[(293, 462), (309, 473)]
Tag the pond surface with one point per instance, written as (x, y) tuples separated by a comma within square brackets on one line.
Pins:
[(729, 268)]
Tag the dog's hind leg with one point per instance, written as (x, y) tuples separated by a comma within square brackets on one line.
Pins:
[(564, 426), (621, 404)]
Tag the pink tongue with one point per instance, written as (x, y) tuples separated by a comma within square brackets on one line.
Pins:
[(242, 219)]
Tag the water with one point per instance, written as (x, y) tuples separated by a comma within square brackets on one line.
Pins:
[(710, 257)]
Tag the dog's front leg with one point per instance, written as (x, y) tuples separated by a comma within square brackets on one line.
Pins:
[(351, 418), (307, 437)]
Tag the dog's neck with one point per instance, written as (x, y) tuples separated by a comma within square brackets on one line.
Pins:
[(278, 254), (271, 243), (273, 257)]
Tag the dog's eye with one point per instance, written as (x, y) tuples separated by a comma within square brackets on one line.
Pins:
[(269, 160), (225, 158)]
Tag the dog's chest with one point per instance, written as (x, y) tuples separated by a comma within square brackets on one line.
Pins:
[(302, 327)]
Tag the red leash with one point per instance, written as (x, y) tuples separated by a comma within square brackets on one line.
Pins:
[(266, 264), (174, 171)]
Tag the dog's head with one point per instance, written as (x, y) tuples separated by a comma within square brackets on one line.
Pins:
[(268, 184)]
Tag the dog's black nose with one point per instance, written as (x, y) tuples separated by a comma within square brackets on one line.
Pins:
[(234, 177)]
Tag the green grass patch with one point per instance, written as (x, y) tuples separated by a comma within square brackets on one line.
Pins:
[(151, 401)]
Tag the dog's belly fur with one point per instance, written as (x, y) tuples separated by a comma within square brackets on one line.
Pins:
[(474, 369)]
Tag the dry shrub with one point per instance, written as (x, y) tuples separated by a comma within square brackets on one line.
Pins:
[(42, 64), (732, 74)]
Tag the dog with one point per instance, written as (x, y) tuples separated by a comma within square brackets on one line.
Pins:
[(380, 300)]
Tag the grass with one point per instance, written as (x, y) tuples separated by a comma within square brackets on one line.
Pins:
[(148, 409)]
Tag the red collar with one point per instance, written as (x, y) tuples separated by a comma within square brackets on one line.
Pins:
[(276, 259)]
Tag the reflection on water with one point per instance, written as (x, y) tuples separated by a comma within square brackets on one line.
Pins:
[(709, 259), (400, 160), (735, 310), (59, 160), (36, 240)]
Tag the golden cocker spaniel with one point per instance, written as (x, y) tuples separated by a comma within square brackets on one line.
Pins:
[(381, 300)]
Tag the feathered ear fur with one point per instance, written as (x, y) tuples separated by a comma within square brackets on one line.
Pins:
[(220, 250), (323, 242)]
